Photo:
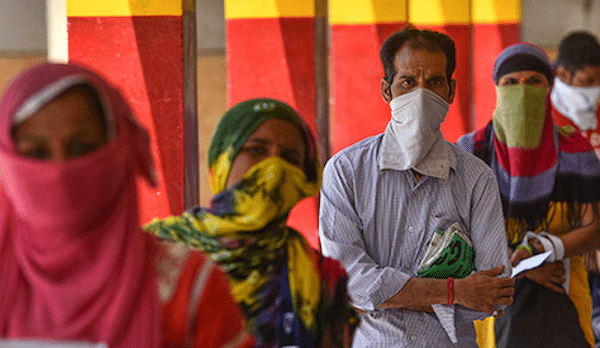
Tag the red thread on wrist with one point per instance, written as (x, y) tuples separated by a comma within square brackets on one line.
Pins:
[(450, 291)]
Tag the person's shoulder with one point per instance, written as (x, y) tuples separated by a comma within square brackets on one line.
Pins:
[(469, 164), (366, 145), (357, 153), (570, 140)]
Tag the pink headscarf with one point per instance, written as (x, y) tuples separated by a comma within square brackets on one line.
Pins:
[(74, 263)]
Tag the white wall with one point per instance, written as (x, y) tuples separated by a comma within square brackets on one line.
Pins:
[(58, 39), (22, 26)]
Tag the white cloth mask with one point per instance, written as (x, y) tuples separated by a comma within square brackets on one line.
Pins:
[(410, 136), (579, 104)]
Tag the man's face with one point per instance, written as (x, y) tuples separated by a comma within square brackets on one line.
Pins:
[(419, 68), (587, 76)]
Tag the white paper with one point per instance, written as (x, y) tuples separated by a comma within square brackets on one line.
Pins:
[(530, 263), (445, 314)]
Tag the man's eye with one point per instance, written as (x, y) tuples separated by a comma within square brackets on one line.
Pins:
[(406, 83)]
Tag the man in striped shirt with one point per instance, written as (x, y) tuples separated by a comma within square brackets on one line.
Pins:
[(384, 198)]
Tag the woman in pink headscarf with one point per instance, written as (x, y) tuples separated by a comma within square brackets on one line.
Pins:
[(74, 263)]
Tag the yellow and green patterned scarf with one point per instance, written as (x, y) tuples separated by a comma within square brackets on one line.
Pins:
[(244, 229)]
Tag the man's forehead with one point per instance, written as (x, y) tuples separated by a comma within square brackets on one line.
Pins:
[(408, 58)]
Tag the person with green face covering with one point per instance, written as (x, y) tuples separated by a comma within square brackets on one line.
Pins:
[(549, 180), (262, 162)]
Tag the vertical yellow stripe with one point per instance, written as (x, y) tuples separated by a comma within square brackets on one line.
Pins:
[(269, 8), (123, 8), (496, 11), (366, 11), (439, 12)]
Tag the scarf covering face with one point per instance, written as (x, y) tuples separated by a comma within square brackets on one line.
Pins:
[(413, 138), (244, 229), (74, 263), (535, 162), (579, 104)]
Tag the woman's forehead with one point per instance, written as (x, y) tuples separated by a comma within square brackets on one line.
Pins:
[(280, 131)]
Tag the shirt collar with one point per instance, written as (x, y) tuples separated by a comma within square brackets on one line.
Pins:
[(451, 157)]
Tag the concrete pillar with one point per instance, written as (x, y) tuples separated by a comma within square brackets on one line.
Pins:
[(56, 24)]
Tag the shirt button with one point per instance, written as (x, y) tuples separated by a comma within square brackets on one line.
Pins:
[(413, 338), (411, 229)]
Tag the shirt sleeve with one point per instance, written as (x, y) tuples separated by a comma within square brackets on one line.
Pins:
[(487, 226), (341, 235), (487, 233)]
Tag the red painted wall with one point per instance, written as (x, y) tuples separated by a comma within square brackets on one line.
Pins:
[(143, 56)]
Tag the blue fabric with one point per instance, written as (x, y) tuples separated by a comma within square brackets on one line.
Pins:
[(277, 323), (594, 280)]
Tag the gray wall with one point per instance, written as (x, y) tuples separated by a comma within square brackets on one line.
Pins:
[(211, 25), (22, 26), (23, 23), (545, 22)]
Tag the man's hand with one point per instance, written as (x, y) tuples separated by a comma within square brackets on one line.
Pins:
[(482, 290), (550, 275), (518, 255)]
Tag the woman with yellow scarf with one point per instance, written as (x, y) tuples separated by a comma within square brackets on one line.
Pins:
[(262, 162)]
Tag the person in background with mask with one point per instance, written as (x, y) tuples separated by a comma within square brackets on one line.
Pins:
[(576, 91), (416, 221), (575, 97), (549, 179), (262, 162)]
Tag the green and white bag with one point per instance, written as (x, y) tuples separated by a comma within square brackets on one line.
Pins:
[(450, 254)]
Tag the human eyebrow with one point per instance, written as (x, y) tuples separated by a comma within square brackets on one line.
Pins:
[(437, 78), (292, 151), (258, 141), (31, 137)]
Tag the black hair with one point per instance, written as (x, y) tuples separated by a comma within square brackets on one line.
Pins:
[(577, 50), (416, 39)]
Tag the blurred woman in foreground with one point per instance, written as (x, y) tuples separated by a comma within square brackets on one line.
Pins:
[(74, 263)]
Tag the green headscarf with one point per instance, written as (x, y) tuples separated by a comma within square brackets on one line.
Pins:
[(239, 123)]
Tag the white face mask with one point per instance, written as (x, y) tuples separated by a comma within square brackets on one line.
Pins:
[(579, 104), (413, 129)]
